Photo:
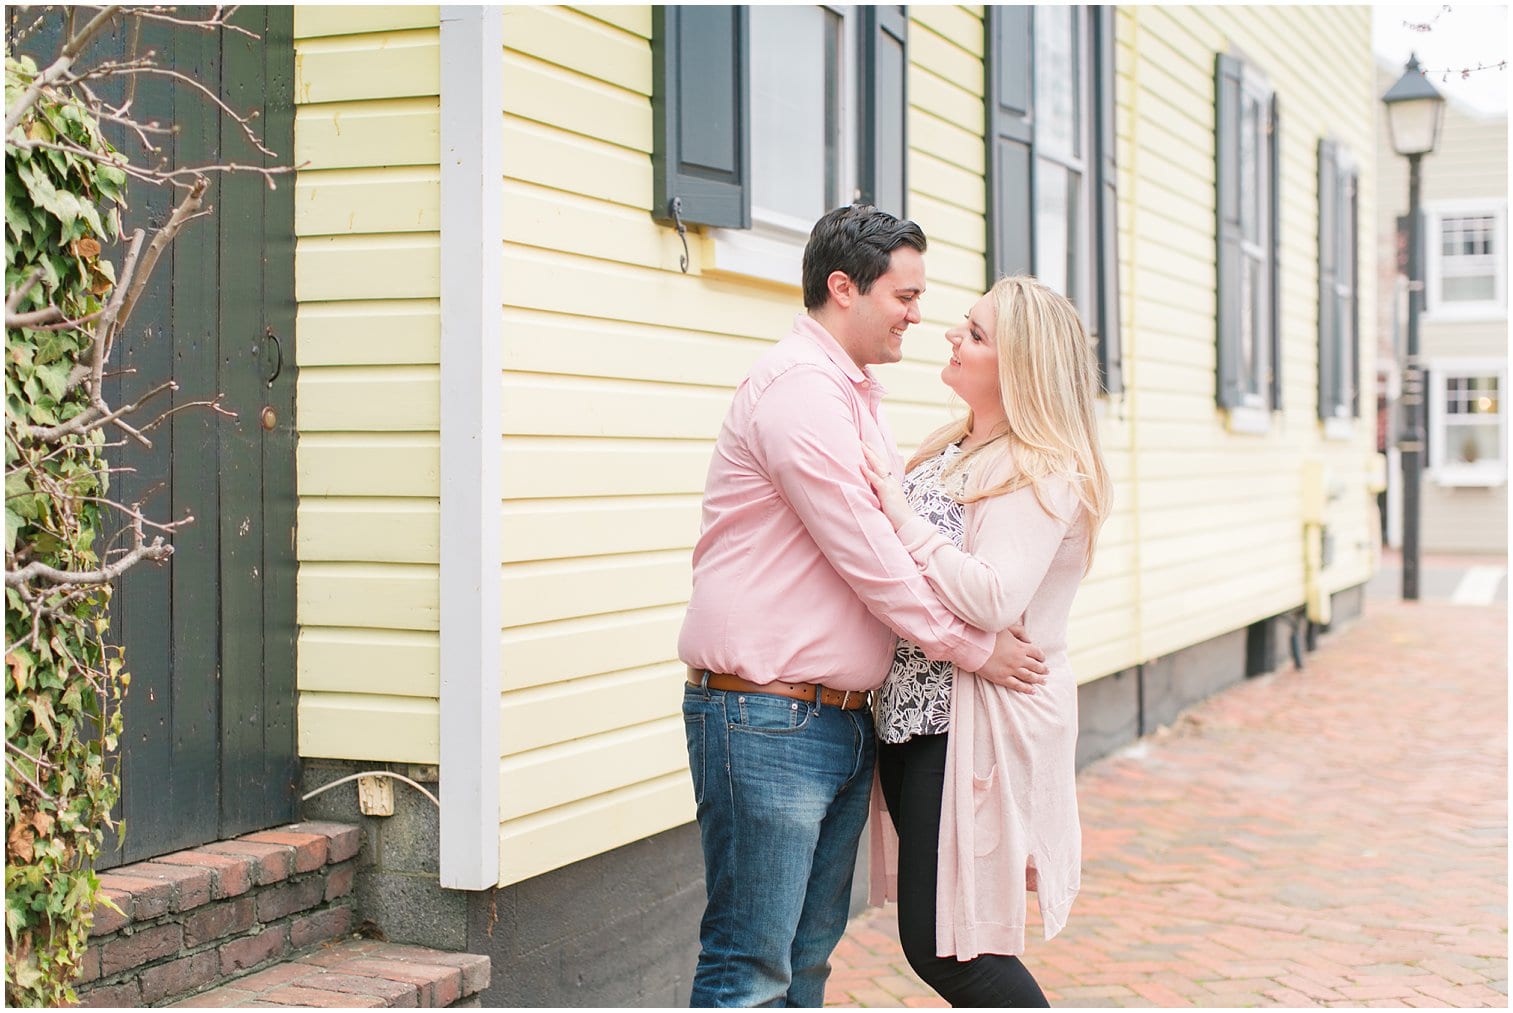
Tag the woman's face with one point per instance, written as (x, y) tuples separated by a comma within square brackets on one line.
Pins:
[(972, 371)]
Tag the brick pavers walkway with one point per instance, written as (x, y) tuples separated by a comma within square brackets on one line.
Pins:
[(1330, 837)]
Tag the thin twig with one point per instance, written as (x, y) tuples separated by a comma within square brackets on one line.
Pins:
[(157, 550), (241, 121), (58, 67), (16, 769), (13, 300)]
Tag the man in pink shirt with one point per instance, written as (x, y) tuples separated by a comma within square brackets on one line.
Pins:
[(800, 587)]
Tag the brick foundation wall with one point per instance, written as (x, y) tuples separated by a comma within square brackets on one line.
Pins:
[(194, 919)]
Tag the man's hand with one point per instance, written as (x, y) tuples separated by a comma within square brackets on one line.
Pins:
[(1015, 663)]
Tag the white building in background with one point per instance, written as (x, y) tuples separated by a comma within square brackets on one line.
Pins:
[(1463, 333)]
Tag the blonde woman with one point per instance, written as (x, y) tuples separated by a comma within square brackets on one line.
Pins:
[(1000, 511)]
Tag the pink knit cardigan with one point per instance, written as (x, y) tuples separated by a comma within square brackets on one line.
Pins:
[(1009, 813)]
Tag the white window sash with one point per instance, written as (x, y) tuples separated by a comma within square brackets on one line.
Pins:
[(1438, 266)]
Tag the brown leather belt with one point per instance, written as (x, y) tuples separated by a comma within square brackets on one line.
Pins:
[(846, 700)]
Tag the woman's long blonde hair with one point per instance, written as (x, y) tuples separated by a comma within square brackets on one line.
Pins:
[(1048, 381)]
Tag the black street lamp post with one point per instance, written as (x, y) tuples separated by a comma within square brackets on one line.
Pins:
[(1414, 113)]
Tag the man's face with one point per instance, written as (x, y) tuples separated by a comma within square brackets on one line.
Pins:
[(879, 318)]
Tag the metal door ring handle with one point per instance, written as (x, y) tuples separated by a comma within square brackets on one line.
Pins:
[(278, 362)]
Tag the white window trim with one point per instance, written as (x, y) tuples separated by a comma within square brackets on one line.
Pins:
[(1436, 309), (773, 248), (1482, 473)]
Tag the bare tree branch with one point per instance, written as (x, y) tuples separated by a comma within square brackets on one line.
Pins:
[(13, 300), (58, 67), (187, 207)]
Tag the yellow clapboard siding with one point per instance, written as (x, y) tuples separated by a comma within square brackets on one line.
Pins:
[(563, 222), (556, 652), (632, 18), (547, 715), (622, 757), (946, 99), (944, 181), (370, 398), (944, 57), (386, 530), (362, 726), (547, 94), (552, 467), (394, 266), (561, 36), (561, 529), (949, 223), (550, 840), (343, 135), (578, 346), (315, 20), (959, 24), (535, 405), (368, 464), (565, 589), (381, 662), (397, 64), (349, 201), (383, 595), (385, 332), (541, 154), (542, 280), (948, 142)]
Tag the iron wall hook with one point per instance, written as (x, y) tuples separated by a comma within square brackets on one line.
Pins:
[(676, 207)]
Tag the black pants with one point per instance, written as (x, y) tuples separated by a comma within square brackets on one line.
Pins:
[(913, 777)]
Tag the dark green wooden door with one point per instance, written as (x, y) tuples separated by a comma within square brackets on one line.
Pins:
[(208, 749)]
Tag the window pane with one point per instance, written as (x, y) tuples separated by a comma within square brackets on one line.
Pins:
[(791, 67), (834, 61), (1468, 288), (1250, 168), (1249, 293), (1054, 222), (1058, 124), (1467, 442)]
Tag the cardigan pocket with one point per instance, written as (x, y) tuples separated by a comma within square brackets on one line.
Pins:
[(987, 832)]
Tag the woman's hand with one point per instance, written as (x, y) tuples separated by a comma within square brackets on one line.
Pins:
[(890, 491)]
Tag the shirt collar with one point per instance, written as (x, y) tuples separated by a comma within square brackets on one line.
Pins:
[(812, 329)]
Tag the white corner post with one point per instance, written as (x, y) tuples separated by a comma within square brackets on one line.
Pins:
[(472, 252)]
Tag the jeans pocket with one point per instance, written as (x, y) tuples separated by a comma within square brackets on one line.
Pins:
[(766, 714), (693, 728)]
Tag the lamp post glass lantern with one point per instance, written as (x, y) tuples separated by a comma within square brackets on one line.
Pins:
[(1414, 113)]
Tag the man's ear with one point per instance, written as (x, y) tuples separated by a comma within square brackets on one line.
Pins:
[(842, 288)]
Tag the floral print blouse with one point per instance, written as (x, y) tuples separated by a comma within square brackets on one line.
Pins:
[(916, 698)]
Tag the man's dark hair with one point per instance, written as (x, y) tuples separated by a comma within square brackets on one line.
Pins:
[(859, 240)]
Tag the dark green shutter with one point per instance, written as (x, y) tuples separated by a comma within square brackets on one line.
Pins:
[(700, 114), (884, 107), (1329, 260), (1106, 195), (1010, 66), (1227, 186), (1274, 255)]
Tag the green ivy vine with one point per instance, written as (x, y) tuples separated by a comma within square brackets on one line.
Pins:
[(63, 682)]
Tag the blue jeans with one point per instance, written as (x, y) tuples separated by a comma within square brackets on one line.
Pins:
[(782, 789)]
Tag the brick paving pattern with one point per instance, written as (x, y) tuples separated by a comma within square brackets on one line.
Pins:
[(1330, 837)]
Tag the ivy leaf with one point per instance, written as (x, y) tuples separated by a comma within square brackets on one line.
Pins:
[(54, 377)]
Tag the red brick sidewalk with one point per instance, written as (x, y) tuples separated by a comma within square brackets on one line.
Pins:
[(1330, 837)]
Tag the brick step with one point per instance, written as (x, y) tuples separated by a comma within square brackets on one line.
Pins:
[(357, 973), (191, 920)]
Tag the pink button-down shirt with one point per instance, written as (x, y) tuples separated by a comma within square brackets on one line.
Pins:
[(797, 574)]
